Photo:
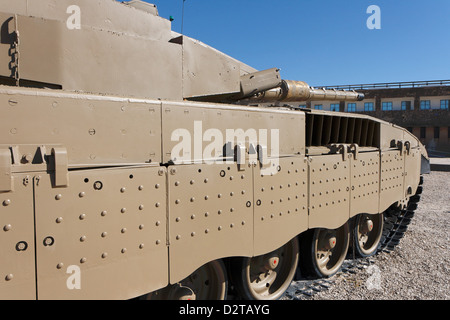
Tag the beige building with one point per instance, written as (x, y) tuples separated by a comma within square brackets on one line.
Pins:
[(420, 106)]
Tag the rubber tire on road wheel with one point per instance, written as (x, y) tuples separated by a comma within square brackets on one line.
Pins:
[(310, 265), (266, 277), (374, 237)]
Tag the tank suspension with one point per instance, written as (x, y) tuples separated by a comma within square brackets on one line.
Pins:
[(395, 225)]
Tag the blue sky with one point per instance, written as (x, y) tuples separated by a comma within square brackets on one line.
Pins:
[(324, 42)]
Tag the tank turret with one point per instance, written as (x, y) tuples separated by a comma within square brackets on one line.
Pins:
[(143, 60)]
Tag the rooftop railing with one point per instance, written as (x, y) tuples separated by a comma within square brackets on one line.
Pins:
[(390, 85)]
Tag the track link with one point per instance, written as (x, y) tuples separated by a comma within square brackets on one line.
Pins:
[(305, 289)]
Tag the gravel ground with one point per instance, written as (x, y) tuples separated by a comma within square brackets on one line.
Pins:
[(418, 269)]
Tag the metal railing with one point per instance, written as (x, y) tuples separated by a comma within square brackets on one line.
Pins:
[(389, 85)]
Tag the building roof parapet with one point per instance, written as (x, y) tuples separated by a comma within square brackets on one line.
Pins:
[(390, 85)]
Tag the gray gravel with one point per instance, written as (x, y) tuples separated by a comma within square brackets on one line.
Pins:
[(418, 268)]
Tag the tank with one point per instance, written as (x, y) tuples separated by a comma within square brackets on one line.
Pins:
[(139, 162)]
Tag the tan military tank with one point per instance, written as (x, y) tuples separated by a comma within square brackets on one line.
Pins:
[(135, 161)]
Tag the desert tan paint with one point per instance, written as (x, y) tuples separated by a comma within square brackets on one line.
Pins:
[(88, 177), (220, 209), (109, 222), (108, 15)]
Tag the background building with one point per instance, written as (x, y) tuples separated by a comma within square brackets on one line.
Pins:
[(420, 106)]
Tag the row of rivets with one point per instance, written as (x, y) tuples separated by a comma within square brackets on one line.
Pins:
[(391, 187), (328, 180), (193, 216), (123, 230), (83, 194), (392, 169), (363, 163), (368, 184), (364, 174), (368, 194), (281, 213), (207, 230), (272, 188), (390, 178), (206, 197), (104, 255), (332, 203)]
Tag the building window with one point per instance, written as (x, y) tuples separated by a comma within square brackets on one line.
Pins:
[(386, 106), (302, 106), (436, 132), (406, 105), (334, 107), (351, 107), (444, 104), (424, 104), (368, 106), (318, 107), (423, 132)]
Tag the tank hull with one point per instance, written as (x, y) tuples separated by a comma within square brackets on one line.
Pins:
[(111, 198)]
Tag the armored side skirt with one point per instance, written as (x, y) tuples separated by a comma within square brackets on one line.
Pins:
[(112, 198)]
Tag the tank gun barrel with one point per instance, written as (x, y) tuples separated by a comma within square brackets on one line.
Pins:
[(290, 91), (267, 86)]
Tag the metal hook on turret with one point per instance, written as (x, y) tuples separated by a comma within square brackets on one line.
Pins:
[(354, 148)]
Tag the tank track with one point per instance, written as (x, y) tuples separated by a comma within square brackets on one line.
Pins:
[(395, 225), (396, 221), (306, 289)]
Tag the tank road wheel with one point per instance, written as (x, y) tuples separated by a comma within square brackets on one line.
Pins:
[(268, 276), (324, 251), (368, 231), (209, 282)]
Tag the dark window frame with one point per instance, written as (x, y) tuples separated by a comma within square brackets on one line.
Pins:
[(406, 105), (423, 132), (425, 105), (334, 107), (387, 106), (369, 106), (437, 132)]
